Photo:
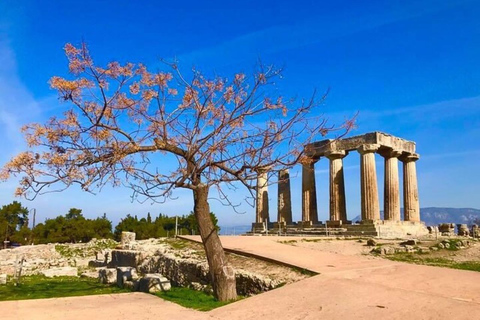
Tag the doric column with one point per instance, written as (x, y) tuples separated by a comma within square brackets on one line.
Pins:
[(262, 197), (338, 209), (411, 205), (309, 192), (391, 203), (368, 179), (284, 197)]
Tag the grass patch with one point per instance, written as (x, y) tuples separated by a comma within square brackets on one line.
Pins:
[(438, 262), (287, 241), (193, 299), (178, 244), (40, 287), (72, 251)]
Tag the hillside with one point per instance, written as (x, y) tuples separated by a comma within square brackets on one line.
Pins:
[(434, 215)]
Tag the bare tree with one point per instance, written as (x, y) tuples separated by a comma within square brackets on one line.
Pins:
[(124, 122)]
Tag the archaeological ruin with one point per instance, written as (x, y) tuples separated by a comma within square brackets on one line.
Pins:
[(391, 149)]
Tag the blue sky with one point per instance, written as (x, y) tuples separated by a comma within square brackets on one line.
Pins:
[(410, 68)]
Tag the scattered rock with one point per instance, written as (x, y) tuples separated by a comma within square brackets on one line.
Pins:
[(409, 249), (387, 250), (153, 282), (61, 271), (107, 275), (125, 274), (410, 242), (371, 242), (463, 230)]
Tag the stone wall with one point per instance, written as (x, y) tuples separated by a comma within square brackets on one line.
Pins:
[(193, 272)]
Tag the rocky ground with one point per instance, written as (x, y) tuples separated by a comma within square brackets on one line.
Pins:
[(43, 259), (467, 249)]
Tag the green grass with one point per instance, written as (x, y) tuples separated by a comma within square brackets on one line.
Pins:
[(192, 299), (40, 287), (439, 262)]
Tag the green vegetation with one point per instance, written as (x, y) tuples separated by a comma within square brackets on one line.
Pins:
[(434, 261), (193, 299), (70, 252), (73, 227), (162, 226), (288, 241), (39, 287), (13, 221)]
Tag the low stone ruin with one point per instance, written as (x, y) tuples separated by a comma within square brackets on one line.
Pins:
[(475, 231), (162, 266), (463, 230), (446, 229)]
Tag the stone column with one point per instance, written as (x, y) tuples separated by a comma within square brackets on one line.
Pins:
[(411, 205), (391, 203), (262, 197), (368, 179), (309, 193), (338, 211), (284, 197)]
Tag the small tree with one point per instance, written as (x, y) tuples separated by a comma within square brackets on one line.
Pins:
[(128, 125), (12, 218)]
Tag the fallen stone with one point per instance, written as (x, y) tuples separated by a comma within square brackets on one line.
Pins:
[(125, 274), (126, 258), (96, 263), (3, 279), (386, 250), (423, 249), (410, 242), (409, 249), (371, 242), (154, 282), (107, 275), (60, 271)]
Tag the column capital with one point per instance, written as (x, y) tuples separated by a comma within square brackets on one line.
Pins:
[(409, 157), (368, 148), (332, 155), (308, 160), (389, 152), (260, 170)]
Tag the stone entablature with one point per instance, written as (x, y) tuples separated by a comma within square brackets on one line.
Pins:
[(383, 140), (389, 147)]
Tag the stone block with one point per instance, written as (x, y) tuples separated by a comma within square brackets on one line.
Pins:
[(154, 282), (463, 230), (107, 275), (125, 274), (410, 242), (60, 271), (3, 279), (127, 241), (96, 263), (386, 250), (371, 242), (126, 258)]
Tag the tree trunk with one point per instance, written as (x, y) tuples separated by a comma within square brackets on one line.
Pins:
[(221, 273)]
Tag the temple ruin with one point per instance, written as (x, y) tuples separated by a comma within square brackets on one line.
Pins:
[(391, 149)]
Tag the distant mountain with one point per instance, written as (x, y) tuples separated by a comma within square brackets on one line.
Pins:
[(434, 215)]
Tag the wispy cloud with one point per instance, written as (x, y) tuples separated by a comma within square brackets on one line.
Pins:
[(17, 105), (284, 37)]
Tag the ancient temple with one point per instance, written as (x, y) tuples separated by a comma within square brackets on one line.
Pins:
[(391, 148)]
